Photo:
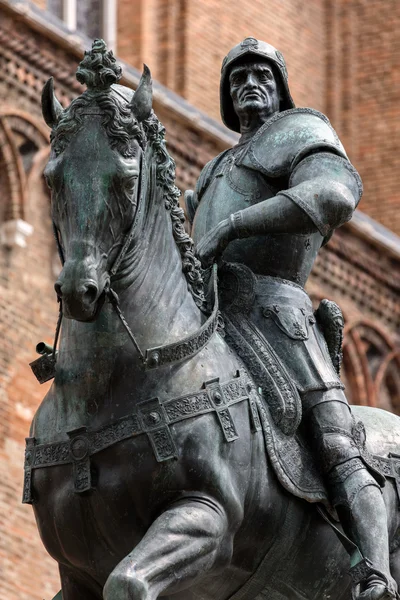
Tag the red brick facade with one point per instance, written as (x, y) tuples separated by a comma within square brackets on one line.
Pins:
[(363, 97), (326, 44)]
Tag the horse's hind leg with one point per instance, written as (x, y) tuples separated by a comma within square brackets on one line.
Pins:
[(189, 539), (73, 587)]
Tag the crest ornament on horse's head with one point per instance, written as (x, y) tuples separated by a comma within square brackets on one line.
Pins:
[(99, 71)]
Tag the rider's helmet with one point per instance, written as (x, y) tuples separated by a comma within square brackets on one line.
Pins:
[(251, 47)]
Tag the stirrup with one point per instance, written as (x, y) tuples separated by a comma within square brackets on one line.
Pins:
[(364, 570)]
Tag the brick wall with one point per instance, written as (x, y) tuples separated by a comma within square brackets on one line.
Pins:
[(367, 109), (28, 312), (130, 23)]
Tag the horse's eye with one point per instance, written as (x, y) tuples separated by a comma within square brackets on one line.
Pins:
[(130, 180)]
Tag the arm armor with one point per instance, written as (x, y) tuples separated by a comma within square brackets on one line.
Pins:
[(301, 146), (288, 137), (327, 188)]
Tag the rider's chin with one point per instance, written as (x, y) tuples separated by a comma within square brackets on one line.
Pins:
[(252, 103)]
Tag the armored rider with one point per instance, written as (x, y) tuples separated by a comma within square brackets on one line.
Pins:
[(267, 205)]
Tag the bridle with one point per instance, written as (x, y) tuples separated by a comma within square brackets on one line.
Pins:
[(157, 356)]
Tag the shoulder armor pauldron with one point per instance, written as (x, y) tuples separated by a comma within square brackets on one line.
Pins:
[(289, 136)]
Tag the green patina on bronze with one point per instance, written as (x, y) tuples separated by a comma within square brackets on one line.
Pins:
[(181, 451)]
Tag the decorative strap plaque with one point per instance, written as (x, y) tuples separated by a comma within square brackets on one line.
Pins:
[(153, 418)]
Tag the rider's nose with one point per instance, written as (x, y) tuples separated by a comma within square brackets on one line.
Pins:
[(251, 80)]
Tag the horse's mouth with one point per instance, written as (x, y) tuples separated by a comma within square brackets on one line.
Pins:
[(77, 311)]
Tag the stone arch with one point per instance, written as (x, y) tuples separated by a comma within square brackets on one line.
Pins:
[(21, 138), (371, 361)]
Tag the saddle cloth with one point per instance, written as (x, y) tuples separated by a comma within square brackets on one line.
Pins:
[(281, 382)]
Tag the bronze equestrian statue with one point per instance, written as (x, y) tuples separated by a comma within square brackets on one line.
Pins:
[(163, 461)]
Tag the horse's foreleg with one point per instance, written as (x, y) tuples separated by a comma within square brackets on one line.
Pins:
[(191, 538)]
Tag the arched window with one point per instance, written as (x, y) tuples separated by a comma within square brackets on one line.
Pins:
[(371, 363), (371, 366), (20, 140), (5, 184)]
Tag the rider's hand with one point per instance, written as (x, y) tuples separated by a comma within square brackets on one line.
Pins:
[(214, 242)]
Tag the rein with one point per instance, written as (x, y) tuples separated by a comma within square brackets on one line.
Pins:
[(158, 356), (184, 348)]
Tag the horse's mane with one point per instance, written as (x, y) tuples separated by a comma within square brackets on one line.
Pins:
[(165, 173), (99, 70)]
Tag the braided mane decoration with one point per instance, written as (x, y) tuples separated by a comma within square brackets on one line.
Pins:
[(165, 176)]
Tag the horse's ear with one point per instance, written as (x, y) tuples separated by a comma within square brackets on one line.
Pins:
[(51, 107), (142, 100)]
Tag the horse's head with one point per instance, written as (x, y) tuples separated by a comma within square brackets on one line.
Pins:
[(94, 173)]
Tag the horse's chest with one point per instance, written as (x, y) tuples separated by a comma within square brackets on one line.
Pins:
[(97, 528)]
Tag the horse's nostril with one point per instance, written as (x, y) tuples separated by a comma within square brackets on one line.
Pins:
[(58, 288), (90, 293)]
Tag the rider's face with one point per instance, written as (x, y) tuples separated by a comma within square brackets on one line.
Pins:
[(254, 89)]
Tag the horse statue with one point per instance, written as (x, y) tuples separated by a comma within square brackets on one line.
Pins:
[(146, 464)]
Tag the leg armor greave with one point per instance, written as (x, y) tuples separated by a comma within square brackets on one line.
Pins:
[(358, 499), (347, 479)]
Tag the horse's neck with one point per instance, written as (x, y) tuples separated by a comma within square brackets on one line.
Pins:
[(158, 299), (98, 363)]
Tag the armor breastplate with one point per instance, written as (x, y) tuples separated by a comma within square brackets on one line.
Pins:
[(236, 187)]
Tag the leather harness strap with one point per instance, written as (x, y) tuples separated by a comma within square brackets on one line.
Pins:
[(184, 348), (152, 417)]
